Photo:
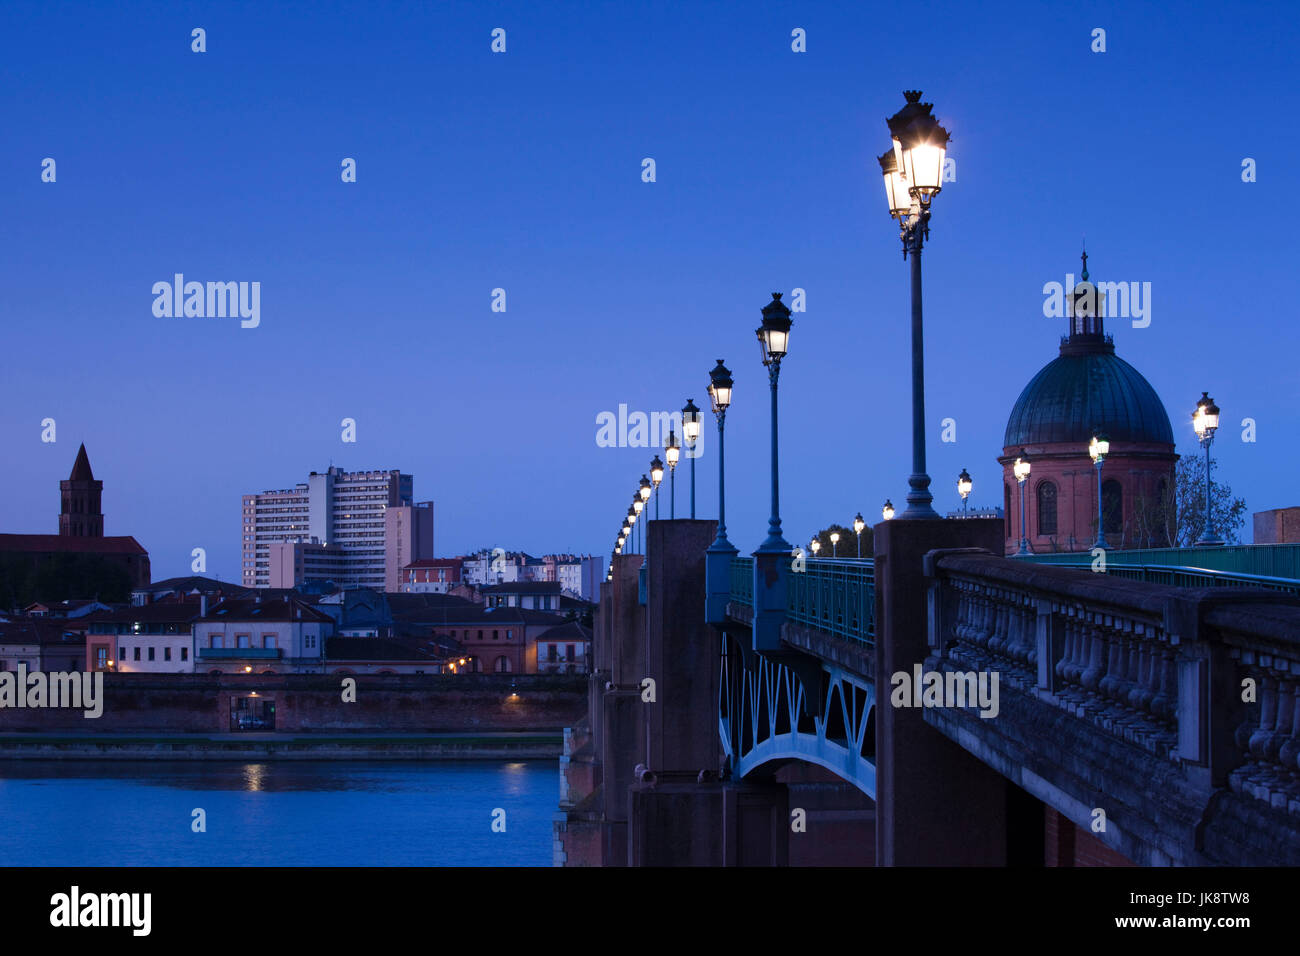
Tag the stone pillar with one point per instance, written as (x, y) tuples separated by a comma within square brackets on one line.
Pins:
[(621, 736), (936, 804)]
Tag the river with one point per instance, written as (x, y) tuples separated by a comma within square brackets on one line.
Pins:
[(278, 813)]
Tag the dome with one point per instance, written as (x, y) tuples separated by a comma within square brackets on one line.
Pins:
[(1087, 390)]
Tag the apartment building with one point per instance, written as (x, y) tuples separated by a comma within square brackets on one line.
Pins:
[(358, 529)]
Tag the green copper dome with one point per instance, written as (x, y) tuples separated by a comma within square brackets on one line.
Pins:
[(1088, 389)]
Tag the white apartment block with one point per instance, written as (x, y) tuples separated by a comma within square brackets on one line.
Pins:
[(343, 519)]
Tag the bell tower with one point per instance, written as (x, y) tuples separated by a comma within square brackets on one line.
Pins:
[(81, 515)]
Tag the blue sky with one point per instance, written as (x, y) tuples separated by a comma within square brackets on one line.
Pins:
[(522, 171)]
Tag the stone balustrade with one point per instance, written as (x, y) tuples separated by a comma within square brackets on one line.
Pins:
[(1206, 679)]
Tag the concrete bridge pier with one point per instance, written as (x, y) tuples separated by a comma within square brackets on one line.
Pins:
[(937, 805)]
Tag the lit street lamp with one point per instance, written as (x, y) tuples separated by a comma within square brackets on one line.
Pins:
[(1097, 450), (672, 451), (887, 512), (691, 431), (1021, 471), (772, 559), (656, 476), (835, 544), (719, 554), (815, 546), (964, 486), (858, 524), (913, 172), (1206, 423)]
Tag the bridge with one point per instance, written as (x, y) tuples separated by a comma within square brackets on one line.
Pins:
[(1148, 713)]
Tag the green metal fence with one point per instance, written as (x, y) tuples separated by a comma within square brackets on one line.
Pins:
[(836, 596), (1258, 560), (1200, 577)]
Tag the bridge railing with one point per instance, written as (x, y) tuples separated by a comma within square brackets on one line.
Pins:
[(1265, 560), (1186, 577), (837, 596), (1206, 679)]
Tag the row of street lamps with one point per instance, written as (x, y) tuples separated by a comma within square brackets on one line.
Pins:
[(1205, 421), (912, 169)]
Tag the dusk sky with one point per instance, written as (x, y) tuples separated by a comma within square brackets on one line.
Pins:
[(523, 171)]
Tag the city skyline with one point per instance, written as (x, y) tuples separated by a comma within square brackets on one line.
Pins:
[(376, 296)]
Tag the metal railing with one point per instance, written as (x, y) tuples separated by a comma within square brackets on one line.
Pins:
[(836, 595), (1181, 577), (1259, 560)]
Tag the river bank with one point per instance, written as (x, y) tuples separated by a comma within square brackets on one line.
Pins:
[(497, 745)]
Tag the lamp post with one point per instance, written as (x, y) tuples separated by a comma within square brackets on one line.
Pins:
[(1021, 470), (835, 544), (887, 512), (964, 486), (719, 554), (773, 343), (1098, 448), (858, 524), (913, 171), (1206, 423), (656, 476), (815, 546), (772, 559), (643, 493), (672, 451), (691, 432)]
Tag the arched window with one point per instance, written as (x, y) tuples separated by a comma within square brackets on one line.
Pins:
[(503, 665), (1112, 507), (1046, 507), (1006, 508), (1162, 510)]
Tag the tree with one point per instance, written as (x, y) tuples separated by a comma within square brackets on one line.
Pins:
[(848, 544), (1188, 519), (1178, 518)]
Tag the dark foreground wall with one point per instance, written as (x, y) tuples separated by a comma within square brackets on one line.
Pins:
[(201, 703)]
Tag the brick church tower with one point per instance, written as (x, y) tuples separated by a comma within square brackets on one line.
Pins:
[(81, 515), (1085, 391)]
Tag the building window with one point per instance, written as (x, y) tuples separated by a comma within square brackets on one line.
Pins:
[(1112, 507), (1046, 508), (137, 654), (496, 635), (509, 634), (268, 640), (214, 640), (151, 651), (167, 653), (503, 665), (101, 657), (185, 653), (568, 652), (243, 640)]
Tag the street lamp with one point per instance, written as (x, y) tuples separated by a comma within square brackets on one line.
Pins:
[(656, 476), (1206, 423), (913, 172), (835, 544), (815, 546), (858, 524), (1021, 471), (964, 486), (887, 512), (772, 562), (1098, 448), (720, 553), (773, 343), (691, 431), (672, 451)]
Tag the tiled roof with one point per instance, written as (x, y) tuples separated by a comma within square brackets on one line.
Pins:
[(124, 544), (248, 609), (39, 631), (569, 631)]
